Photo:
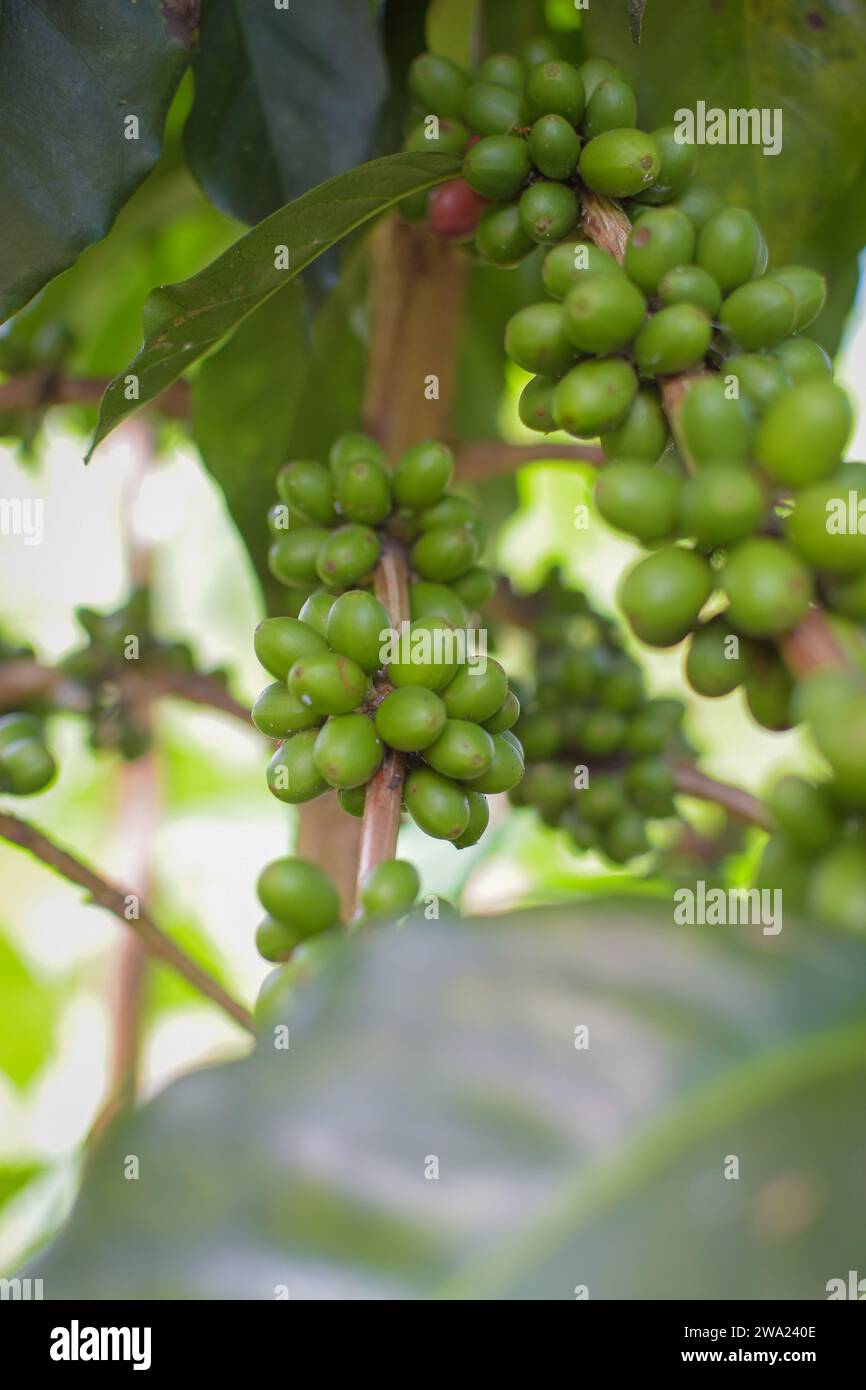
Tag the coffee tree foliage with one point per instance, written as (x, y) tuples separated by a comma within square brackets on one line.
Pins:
[(192, 199)]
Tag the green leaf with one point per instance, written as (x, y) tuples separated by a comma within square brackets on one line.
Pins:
[(28, 1012), (283, 99), (71, 76), (558, 1165), (275, 391), (809, 61), (183, 322), (14, 1177)]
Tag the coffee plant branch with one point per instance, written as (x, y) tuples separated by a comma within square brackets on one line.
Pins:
[(23, 681), (739, 804), (38, 390), (117, 901)]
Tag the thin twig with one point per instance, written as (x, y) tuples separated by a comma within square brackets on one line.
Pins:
[(23, 681), (37, 390), (118, 902), (492, 459), (739, 804)]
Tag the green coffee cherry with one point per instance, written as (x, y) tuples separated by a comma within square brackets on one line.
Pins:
[(678, 164), (315, 609), (673, 340), (292, 775), (768, 587), (363, 492), (275, 941), (452, 510), (594, 397), (353, 800), (504, 69), (574, 262), (505, 717), (555, 88), (769, 688), (479, 819), (663, 595), (761, 379), (785, 868), (597, 70), (308, 488), (688, 284), (436, 601), (349, 447), (26, 767), (840, 733), (535, 339), (637, 499), (437, 84), (731, 248), (389, 890), (277, 713), (805, 814), (500, 238), (428, 659), (463, 750), (716, 427), (716, 661), (491, 109), (448, 137), (836, 888), (356, 624), (643, 435), (600, 316), (280, 642), (328, 683), (422, 474), (803, 435), (14, 727), (548, 211), (647, 780), (293, 558), (476, 587), (721, 505), (621, 686), (555, 147), (506, 769), (625, 838), (347, 555), (348, 751), (601, 800), (808, 288), (603, 733), (411, 718), (758, 314), (298, 894), (498, 166), (477, 691), (803, 359), (612, 106), (437, 805), (535, 406), (659, 241), (823, 526), (847, 597), (699, 204), (620, 163), (540, 733), (444, 553)]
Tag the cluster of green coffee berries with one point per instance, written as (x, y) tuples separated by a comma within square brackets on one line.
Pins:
[(349, 686), (122, 636), (533, 132), (598, 750), (26, 763)]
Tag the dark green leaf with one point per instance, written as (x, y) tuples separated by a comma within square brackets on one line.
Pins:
[(306, 1169), (183, 322), (71, 77), (283, 100)]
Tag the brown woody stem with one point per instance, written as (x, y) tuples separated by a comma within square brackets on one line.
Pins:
[(739, 804), (37, 390), (118, 901), (491, 459)]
